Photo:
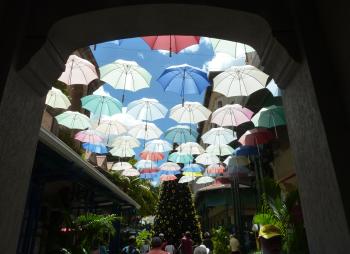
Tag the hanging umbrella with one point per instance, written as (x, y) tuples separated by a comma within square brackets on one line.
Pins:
[(78, 71), (236, 161), (190, 148), (164, 178), (215, 168), (153, 156), (141, 164), (231, 115), (130, 172), (95, 148), (101, 105), (193, 174), (172, 43), (205, 179), (270, 117), (122, 151), (256, 137), (56, 99), (169, 166), (89, 136), (148, 170), (239, 81), (151, 176), (178, 157), (220, 150), (73, 120), (125, 140), (126, 75), (218, 136), (180, 134), (246, 151), (145, 131), (187, 179), (207, 159), (158, 145), (128, 120), (190, 112), (193, 167), (146, 109), (234, 49), (184, 79), (120, 166), (111, 129)]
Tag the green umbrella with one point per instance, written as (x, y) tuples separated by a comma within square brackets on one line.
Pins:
[(269, 117), (73, 120)]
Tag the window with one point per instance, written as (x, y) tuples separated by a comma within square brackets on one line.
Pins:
[(219, 104)]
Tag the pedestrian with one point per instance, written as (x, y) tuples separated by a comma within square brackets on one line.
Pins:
[(234, 244), (170, 247), (145, 247), (208, 242), (164, 241), (156, 246), (187, 244), (131, 248), (201, 249), (270, 239)]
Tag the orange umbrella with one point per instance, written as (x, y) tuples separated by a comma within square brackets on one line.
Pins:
[(153, 156), (165, 178)]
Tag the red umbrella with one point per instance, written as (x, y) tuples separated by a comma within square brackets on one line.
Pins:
[(215, 169), (148, 170), (168, 177), (173, 43), (153, 156), (256, 137)]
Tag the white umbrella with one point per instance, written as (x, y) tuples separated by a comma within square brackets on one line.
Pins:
[(220, 150), (130, 172), (146, 109), (90, 136), (142, 164), (190, 148), (232, 161), (205, 179), (207, 159), (111, 128), (232, 48), (158, 145), (218, 136), (231, 115), (187, 179), (120, 166), (122, 151), (191, 112), (126, 75), (73, 120), (56, 99), (239, 81), (145, 131), (169, 166), (125, 140), (78, 71)]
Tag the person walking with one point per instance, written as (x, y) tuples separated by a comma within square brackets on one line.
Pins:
[(156, 246), (170, 247), (208, 242), (131, 248), (234, 244), (164, 241), (145, 247), (187, 244), (201, 249)]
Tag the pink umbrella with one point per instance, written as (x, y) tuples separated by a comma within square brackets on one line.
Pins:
[(173, 43), (149, 170), (231, 115), (89, 136), (153, 156), (215, 169), (256, 137), (165, 178)]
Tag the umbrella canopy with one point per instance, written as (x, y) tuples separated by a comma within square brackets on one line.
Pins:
[(89, 136), (172, 43), (150, 176), (122, 151), (195, 174), (270, 117), (193, 167), (169, 166), (164, 178), (95, 148), (234, 49), (148, 170), (145, 131), (180, 134), (236, 161), (147, 109), (153, 156), (178, 157), (190, 148), (189, 112), (184, 79), (141, 164), (125, 140), (256, 137), (101, 105), (128, 120), (120, 166), (130, 172), (246, 151), (231, 115), (215, 169), (218, 136), (239, 80), (78, 71), (126, 75), (158, 145), (111, 128), (73, 120), (207, 159), (220, 150), (187, 179), (205, 179), (56, 99)]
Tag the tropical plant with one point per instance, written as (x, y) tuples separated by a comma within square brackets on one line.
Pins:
[(143, 236), (221, 240)]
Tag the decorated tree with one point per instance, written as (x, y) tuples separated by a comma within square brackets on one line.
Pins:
[(176, 213)]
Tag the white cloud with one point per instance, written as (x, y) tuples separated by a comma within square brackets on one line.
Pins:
[(205, 40), (139, 54), (222, 61), (101, 91), (190, 49), (163, 52)]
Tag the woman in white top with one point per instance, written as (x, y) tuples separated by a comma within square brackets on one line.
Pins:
[(170, 248)]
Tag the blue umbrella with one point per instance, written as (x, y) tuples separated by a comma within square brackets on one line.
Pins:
[(181, 134), (149, 176), (101, 149), (178, 157), (184, 79), (246, 151), (193, 167), (168, 172)]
